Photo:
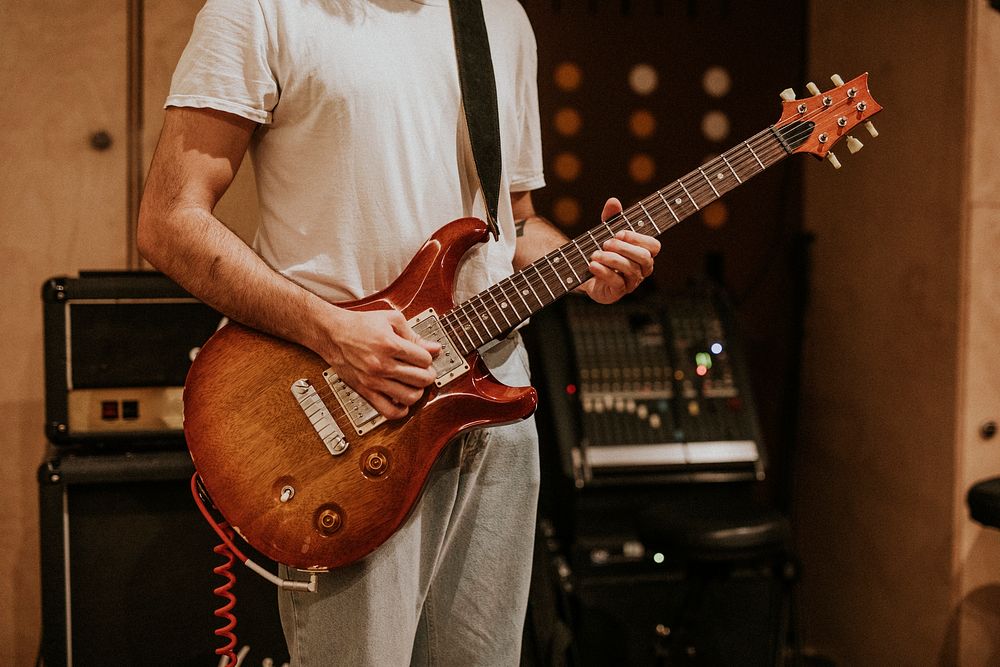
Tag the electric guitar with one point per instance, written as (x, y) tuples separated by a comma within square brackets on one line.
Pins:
[(312, 476)]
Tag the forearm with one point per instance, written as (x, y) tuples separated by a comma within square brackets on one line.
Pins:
[(195, 249), (536, 236)]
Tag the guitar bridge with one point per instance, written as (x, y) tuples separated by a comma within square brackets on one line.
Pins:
[(319, 416)]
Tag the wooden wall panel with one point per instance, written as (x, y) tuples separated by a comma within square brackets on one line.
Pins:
[(876, 464), (64, 208), (977, 565)]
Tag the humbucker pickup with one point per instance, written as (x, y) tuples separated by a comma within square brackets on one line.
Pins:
[(448, 365)]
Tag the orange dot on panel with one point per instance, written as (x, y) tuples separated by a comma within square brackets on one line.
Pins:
[(568, 76), (641, 168), (642, 124), (643, 79), (567, 166), (568, 121), (715, 215), (715, 125), (566, 211), (717, 81)]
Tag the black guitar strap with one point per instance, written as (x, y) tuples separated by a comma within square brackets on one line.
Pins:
[(479, 99)]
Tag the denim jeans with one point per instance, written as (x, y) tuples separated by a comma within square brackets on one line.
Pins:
[(450, 587)]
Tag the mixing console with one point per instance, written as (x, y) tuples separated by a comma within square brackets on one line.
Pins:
[(649, 387)]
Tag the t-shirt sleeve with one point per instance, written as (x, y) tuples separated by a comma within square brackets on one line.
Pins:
[(527, 171), (225, 65)]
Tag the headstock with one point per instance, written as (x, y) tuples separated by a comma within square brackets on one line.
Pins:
[(814, 124)]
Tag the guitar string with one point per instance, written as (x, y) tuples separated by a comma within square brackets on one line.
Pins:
[(550, 260), (769, 148)]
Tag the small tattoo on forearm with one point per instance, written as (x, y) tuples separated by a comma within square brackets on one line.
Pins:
[(519, 226)]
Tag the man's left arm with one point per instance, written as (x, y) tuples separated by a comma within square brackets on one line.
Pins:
[(622, 263)]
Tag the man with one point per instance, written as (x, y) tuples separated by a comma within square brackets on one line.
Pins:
[(352, 113)]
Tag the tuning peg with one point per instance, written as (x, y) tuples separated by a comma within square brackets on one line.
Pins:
[(833, 160), (787, 94), (871, 129), (837, 81), (853, 144), (812, 88)]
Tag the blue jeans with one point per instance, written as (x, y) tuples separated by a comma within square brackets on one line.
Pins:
[(450, 587)]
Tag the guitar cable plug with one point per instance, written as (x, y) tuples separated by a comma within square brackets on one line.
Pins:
[(201, 497)]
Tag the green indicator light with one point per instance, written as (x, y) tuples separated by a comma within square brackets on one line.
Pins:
[(703, 359)]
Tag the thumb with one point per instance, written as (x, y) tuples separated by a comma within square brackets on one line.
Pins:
[(612, 207)]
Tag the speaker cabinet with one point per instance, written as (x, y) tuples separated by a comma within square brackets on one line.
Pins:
[(127, 568)]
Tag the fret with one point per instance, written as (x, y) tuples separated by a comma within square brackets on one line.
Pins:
[(597, 245), (570, 265), (539, 272), (532, 288), (501, 306), (611, 232), (709, 181), (651, 221), (627, 221), (738, 179), (452, 332), (676, 219), (747, 144), (693, 202), (470, 325), (465, 332), (483, 316), (555, 270), (503, 291), (583, 255), (520, 293)]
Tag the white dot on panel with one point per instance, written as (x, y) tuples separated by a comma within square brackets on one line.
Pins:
[(677, 201), (715, 125), (503, 305), (719, 176), (643, 79), (525, 292), (716, 81)]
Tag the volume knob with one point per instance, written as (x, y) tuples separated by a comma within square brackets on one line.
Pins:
[(329, 521)]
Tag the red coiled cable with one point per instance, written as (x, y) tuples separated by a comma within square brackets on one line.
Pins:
[(227, 550), (225, 592)]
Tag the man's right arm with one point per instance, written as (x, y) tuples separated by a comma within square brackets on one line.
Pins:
[(196, 159)]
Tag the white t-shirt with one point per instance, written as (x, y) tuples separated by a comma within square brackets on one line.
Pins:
[(363, 152)]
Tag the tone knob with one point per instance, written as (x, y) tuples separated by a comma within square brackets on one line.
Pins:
[(329, 521), (376, 464)]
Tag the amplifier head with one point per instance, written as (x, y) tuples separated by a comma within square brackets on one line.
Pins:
[(118, 346)]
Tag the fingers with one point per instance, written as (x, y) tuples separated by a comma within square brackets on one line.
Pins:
[(380, 356), (623, 261), (628, 255), (413, 349)]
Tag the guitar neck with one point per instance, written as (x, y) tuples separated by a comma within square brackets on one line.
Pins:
[(498, 310)]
